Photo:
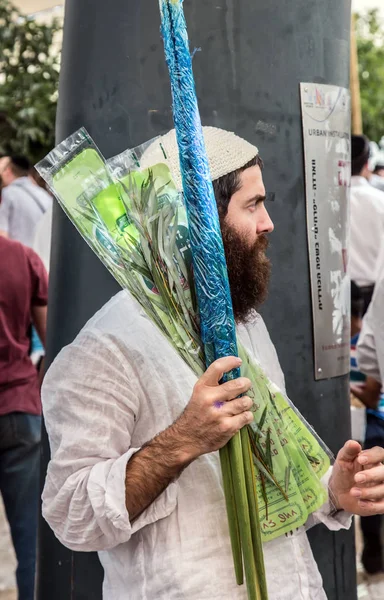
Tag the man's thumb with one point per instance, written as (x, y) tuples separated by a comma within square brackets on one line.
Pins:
[(349, 451)]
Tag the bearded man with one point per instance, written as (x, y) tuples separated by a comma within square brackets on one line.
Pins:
[(135, 472)]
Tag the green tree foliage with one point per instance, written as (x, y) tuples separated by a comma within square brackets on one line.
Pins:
[(370, 47), (29, 73)]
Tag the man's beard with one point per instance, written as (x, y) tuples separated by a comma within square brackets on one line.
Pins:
[(248, 271)]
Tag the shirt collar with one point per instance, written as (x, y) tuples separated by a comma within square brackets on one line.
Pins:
[(20, 181), (358, 181)]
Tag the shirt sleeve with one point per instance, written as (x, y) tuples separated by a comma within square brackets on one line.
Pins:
[(333, 520), (91, 402), (370, 348), (39, 279), (5, 210)]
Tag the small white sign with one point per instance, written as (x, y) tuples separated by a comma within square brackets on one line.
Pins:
[(326, 118)]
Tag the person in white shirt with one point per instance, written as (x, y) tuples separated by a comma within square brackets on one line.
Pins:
[(370, 357), (135, 472), (377, 177), (366, 221), (379, 170), (43, 237), (23, 203)]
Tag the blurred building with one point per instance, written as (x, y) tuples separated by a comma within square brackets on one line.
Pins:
[(41, 9)]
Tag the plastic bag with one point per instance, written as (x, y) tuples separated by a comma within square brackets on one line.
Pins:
[(136, 222)]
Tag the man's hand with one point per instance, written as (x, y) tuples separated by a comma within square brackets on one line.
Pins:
[(368, 393), (357, 482), (213, 415), (215, 412)]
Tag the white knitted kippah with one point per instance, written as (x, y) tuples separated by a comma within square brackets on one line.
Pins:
[(226, 152)]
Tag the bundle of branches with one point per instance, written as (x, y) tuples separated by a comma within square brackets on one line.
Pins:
[(137, 225)]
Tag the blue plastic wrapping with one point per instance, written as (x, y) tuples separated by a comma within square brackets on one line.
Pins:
[(217, 323)]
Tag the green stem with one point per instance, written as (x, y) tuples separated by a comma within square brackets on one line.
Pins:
[(233, 521), (240, 492), (250, 480)]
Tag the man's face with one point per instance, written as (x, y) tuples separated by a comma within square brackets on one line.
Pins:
[(244, 229), (5, 171)]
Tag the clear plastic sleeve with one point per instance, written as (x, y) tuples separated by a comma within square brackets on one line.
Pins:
[(135, 221)]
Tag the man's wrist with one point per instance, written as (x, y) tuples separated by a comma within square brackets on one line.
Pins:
[(334, 504), (174, 445), (185, 450)]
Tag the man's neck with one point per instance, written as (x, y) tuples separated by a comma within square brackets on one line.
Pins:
[(12, 180)]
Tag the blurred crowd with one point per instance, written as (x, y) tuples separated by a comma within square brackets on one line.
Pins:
[(366, 269)]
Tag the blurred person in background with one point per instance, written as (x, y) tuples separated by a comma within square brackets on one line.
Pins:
[(23, 206), (368, 389), (379, 170), (42, 241), (23, 203), (377, 177), (366, 221), (23, 300), (370, 358)]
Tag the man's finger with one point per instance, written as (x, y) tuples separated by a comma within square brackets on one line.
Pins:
[(238, 406), (375, 492), (349, 451), (368, 508), (239, 421), (370, 476), (216, 370), (232, 389), (373, 456)]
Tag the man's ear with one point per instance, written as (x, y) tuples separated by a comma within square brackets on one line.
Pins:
[(366, 172)]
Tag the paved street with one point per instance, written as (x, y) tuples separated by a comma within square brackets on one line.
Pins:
[(7, 561), (369, 588)]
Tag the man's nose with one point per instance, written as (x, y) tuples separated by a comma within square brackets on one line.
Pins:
[(265, 223)]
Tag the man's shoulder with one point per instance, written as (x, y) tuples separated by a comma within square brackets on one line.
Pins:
[(23, 186), (7, 197), (14, 194), (368, 192), (122, 320), (20, 269), (120, 336), (377, 194), (13, 249), (121, 308)]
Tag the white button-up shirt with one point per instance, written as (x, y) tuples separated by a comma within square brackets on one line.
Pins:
[(370, 349), (366, 230), (114, 388)]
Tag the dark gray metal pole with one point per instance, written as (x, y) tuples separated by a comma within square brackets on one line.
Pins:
[(114, 81)]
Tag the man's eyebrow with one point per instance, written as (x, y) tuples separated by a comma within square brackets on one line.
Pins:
[(268, 197), (257, 198)]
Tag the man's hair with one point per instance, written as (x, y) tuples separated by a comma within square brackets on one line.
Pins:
[(378, 167), (227, 185), (19, 165), (357, 301), (359, 153)]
